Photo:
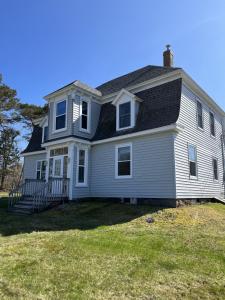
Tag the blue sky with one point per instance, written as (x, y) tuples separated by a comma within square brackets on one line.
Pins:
[(46, 44)]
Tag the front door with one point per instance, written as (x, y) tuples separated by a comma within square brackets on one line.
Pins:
[(58, 166), (58, 171)]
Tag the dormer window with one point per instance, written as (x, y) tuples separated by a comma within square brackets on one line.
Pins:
[(44, 125), (85, 115), (60, 115), (124, 115), (126, 109), (44, 134)]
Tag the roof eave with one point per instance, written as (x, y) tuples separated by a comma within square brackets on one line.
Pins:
[(74, 85), (195, 87), (154, 81)]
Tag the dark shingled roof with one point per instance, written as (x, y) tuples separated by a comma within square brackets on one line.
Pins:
[(35, 141), (135, 77), (160, 107)]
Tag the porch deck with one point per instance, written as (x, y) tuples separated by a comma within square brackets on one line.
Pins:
[(38, 195)]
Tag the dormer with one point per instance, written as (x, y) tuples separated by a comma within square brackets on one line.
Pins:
[(126, 109)]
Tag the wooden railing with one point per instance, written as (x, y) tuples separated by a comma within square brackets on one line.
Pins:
[(32, 186), (54, 189), (16, 195), (28, 188), (42, 193)]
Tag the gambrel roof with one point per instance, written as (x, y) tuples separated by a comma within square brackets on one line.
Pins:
[(133, 78), (160, 105)]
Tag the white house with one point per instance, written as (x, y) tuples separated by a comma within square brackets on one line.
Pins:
[(152, 135)]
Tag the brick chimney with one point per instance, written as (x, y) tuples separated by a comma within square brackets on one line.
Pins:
[(168, 57)]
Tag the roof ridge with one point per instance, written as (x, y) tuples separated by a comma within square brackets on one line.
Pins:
[(139, 69)]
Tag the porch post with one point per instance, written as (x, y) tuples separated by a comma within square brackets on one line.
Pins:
[(47, 166), (70, 170)]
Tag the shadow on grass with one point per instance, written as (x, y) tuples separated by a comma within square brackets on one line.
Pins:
[(82, 216)]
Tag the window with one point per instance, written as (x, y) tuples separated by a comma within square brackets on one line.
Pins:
[(84, 115), (212, 124), (59, 151), (44, 134), (123, 161), (41, 169), (215, 169), (192, 153), (60, 115), (125, 115), (199, 115), (58, 167), (82, 165)]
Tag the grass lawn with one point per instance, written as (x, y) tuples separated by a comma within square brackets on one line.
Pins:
[(108, 251), (3, 194)]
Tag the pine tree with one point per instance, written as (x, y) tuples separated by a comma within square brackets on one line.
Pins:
[(9, 153), (8, 105)]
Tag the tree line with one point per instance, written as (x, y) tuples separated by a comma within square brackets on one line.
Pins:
[(12, 113)]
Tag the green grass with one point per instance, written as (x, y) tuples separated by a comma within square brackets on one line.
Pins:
[(108, 251), (3, 194)]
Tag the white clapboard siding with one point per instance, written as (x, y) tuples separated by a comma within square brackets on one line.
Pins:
[(153, 169), (207, 148), (30, 165)]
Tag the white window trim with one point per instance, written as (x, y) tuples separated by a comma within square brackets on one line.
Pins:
[(54, 117), (132, 115), (116, 161), (215, 180), (190, 176), (88, 115), (43, 127), (85, 183), (211, 112), (41, 160), (203, 121)]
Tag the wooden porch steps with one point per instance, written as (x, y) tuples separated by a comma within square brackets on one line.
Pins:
[(25, 206), (36, 196)]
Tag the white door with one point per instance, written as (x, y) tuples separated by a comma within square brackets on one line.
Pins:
[(58, 166), (57, 185)]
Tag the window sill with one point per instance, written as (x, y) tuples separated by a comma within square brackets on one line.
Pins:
[(81, 185), (124, 177), (124, 128), (84, 130), (193, 177), (59, 130), (201, 129)]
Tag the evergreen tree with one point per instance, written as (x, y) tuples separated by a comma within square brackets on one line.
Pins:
[(8, 105), (9, 153), (28, 113)]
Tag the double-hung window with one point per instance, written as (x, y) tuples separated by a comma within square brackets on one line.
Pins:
[(124, 161), (215, 169), (192, 156), (60, 115), (124, 115), (41, 169), (84, 115), (82, 167), (200, 115), (212, 124)]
